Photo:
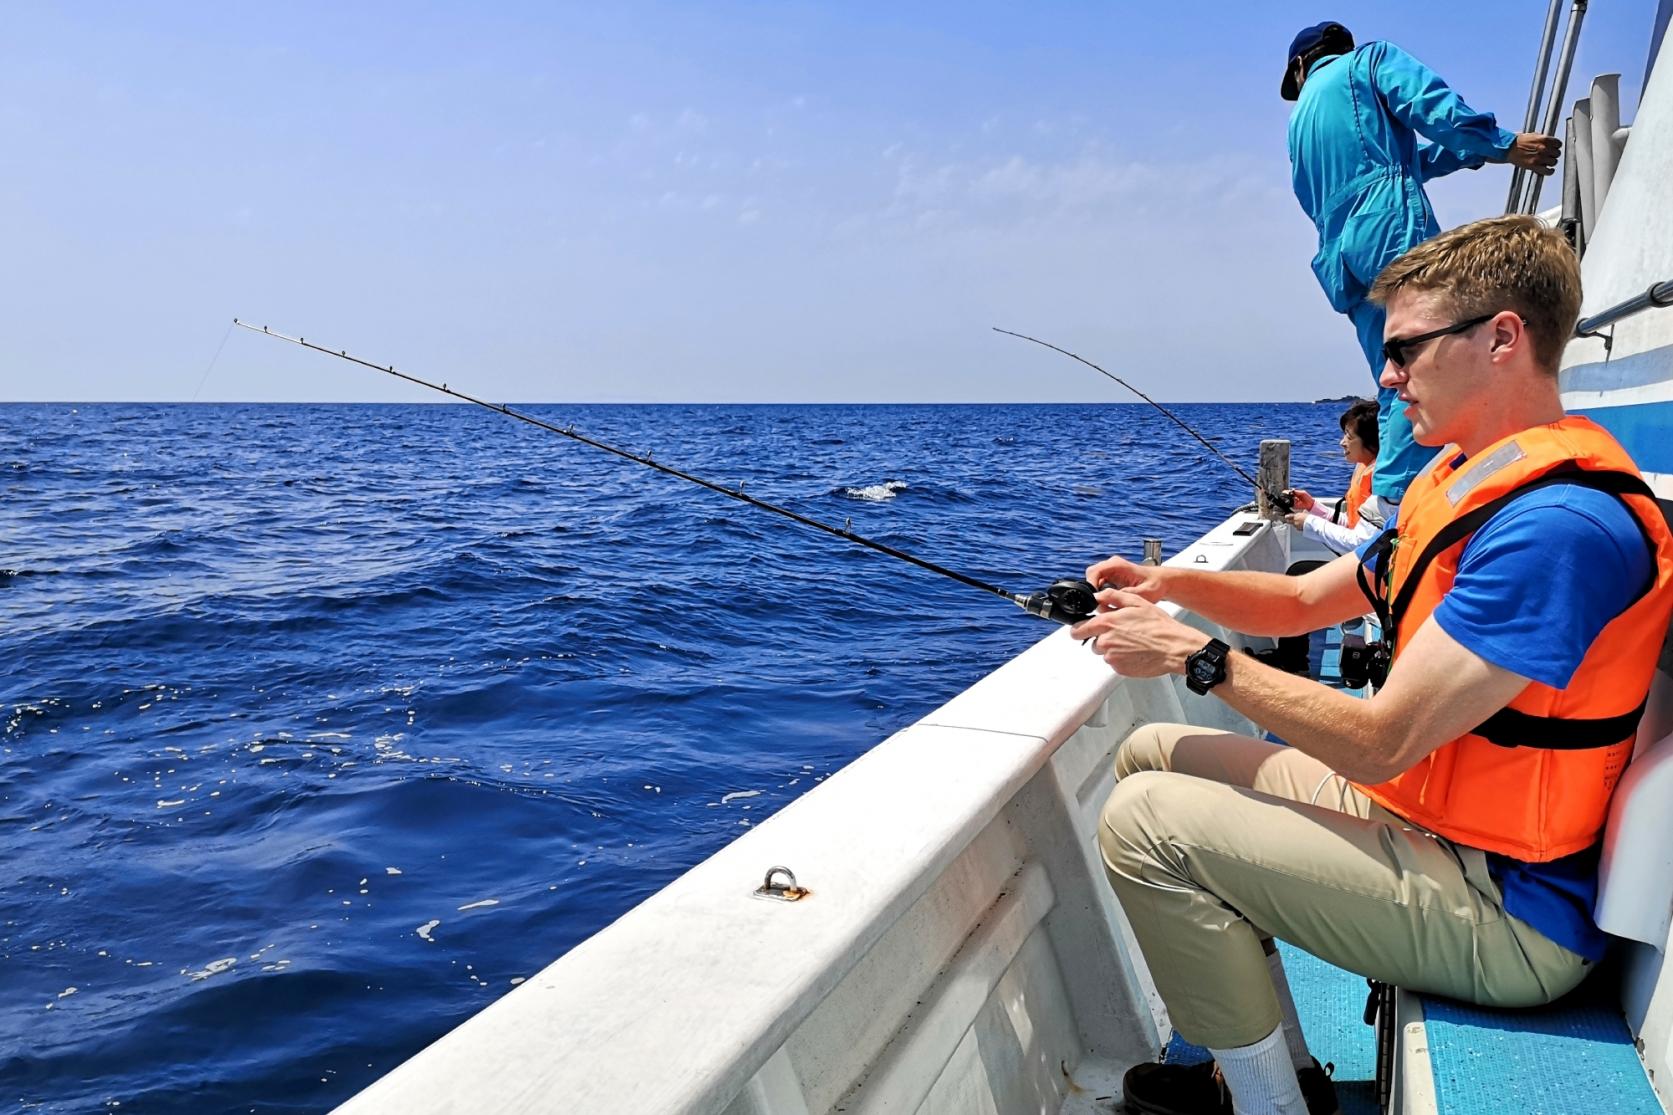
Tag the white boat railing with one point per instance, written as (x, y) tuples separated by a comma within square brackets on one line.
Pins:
[(959, 937)]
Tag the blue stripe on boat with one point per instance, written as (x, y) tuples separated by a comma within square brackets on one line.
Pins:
[(1642, 429)]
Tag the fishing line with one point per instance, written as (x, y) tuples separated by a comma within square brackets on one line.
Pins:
[(212, 359), (1278, 498), (1067, 601)]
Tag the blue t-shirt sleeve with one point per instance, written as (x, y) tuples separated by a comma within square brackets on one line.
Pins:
[(1543, 577)]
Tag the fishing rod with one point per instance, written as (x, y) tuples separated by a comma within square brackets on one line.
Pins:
[(1068, 601), (1281, 500)]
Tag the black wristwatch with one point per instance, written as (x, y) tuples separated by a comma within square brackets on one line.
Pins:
[(1206, 668)]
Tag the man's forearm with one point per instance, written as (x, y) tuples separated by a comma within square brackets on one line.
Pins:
[(1253, 603), (1341, 731)]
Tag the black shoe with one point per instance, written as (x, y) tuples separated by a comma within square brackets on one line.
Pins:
[(1175, 1090), (1198, 1090), (1318, 1089)]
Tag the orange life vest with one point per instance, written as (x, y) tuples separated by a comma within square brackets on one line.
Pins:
[(1533, 781), (1359, 490)]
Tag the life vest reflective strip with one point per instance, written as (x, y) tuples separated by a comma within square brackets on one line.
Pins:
[(1533, 781), (1359, 490)]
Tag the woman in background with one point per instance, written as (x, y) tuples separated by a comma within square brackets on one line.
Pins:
[(1359, 515)]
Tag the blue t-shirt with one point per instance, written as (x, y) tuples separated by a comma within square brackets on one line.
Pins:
[(1535, 586)]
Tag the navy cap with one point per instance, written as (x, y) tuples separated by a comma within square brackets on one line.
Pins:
[(1305, 40)]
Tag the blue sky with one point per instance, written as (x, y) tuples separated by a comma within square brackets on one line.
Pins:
[(775, 202)]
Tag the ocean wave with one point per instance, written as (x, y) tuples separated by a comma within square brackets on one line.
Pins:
[(467, 657), (18, 574), (874, 493)]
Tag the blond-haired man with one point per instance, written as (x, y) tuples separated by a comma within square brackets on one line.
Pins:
[(1441, 835)]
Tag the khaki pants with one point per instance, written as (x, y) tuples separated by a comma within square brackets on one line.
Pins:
[(1216, 842)]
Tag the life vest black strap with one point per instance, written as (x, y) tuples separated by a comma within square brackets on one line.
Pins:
[(1375, 559), (1458, 530), (1510, 728)]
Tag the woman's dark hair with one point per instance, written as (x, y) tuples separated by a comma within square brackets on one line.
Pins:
[(1362, 418)]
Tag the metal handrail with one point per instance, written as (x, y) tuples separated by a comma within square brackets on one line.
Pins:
[(1659, 294), (1559, 88), (1542, 63)]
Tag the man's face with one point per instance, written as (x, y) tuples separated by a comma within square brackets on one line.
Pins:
[(1445, 381)]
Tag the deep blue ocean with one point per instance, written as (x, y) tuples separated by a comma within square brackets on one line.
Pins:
[(323, 726)]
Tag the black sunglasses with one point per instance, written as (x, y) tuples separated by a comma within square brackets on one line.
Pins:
[(1394, 349)]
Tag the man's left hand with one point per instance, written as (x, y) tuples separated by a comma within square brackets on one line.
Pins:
[(1138, 639)]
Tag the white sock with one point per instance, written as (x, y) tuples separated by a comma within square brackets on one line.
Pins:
[(1261, 1078), (1293, 1037)]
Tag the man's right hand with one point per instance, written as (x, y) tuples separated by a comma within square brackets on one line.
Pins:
[(1535, 152), (1119, 573)]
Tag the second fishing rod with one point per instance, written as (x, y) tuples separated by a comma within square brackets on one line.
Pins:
[(1067, 601), (1279, 499)]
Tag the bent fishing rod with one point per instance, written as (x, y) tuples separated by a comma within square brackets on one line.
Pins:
[(1281, 500), (1068, 601)]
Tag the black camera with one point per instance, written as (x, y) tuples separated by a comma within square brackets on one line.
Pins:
[(1363, 662)]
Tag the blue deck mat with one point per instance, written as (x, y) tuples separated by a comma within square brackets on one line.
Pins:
[(1575, 1057)]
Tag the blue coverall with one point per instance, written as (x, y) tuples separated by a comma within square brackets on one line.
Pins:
[(1359, 166)]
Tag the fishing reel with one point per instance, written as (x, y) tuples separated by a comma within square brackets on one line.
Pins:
[(1067, 602)]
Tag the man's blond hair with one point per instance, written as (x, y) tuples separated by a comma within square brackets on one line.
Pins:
[(1502, 263)]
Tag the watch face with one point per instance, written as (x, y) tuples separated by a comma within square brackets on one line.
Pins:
[(1203, 670)]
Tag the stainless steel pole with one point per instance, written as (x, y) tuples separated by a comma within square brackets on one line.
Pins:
[(1554, 110), (1542, 65)]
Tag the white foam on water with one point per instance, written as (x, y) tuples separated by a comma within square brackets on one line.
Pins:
[(427, 928), (736, 794), (170, 804), (876, 492), (213, 968), (68, 991), (479, 904), (392, 871)]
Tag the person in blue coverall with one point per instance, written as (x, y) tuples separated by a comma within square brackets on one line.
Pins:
[(1358, 161)]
